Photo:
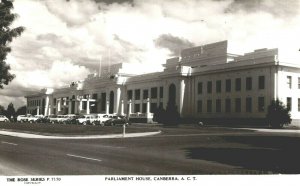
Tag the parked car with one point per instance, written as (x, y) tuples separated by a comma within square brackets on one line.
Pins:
[(23, 118), (52, 119), (71, 119), (33, 119), (61, 118), (3, 118), (117, 120), (87, 119), (101, 118), (44, 119)]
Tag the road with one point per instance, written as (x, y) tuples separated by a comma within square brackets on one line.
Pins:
[(174, 151)]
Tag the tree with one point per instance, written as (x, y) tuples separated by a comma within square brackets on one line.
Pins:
[(278, 114), (159, 114), (172, 116), (6, 36), (10, 111), (2, 110), (21, 110)]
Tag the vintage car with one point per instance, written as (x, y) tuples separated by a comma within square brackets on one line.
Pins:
[(117, 120), (4, 118)]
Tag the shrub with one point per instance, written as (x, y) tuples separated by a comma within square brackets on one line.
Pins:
[(278, 114)]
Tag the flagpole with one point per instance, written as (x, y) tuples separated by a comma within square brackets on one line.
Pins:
[(109, 60), (100, 66)]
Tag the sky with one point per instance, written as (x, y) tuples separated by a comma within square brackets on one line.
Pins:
[(64, 40)]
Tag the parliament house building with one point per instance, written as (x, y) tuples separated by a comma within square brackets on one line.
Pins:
[(205, 82)]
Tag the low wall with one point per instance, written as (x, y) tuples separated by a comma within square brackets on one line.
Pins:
[(228, 121), (141, 120)]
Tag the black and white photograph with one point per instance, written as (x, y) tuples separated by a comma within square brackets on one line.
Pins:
[(149, 92)]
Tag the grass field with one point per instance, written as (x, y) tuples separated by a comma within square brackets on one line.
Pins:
[(70, 129)]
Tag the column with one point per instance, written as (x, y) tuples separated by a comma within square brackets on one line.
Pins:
[(70, 105), (80, 105), (46, 106), (107, 107), (38, 110), (76, 106), (49, 110), (122, 108), (148, 106), (117, 100), (65, 101), (58, 105), (64, 105), (181, 95), (88, 104)]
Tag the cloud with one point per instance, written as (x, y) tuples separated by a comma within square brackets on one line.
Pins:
[(77, 12), (64, 40), (173, 43), (282, 9)]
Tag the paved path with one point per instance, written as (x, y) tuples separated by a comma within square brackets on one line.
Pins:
[(27, 135), (274, 130)]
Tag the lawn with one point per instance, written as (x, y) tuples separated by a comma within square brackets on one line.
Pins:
[(59, 129)]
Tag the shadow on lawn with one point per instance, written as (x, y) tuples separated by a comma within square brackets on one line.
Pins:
[(264, 154)]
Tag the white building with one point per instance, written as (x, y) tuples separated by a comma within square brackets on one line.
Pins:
[(205, 82)]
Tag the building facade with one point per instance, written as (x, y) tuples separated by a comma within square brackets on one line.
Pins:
[(204, 82)]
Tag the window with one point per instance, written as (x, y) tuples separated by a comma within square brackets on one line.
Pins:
[(248, 104), (289, 81), (137, 94), (154, 93), (94, 96), (161, 104), (161, 92), (261, 82), (144, 107), (209, 87), (84, 105), (289, 103), (136, 107), (103, 101), (145, 94), (228, 85), (209, 105), (298, 82), (218, 105), (200, 85), (248, 83), (129, 94), (237, 104), (153, 107), (218, 86), (227, 105), (54, 101), (199, 106), (238, 84), (261, 104), (298, 104)]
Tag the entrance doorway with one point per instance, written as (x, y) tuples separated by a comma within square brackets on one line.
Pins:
[(73, 105), (172, 94), (111, 102)]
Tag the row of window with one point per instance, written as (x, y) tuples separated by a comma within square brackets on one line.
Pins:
[(153, 95), (34, 103), (289, 103), (153, 106), (228, 105), (228, 85), (289, 82)]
